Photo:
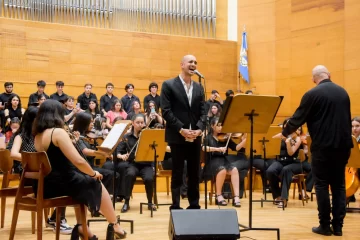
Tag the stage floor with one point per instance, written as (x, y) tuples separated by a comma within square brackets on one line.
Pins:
[(294, 223)]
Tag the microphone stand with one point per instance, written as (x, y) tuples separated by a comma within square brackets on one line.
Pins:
[(205, 123)]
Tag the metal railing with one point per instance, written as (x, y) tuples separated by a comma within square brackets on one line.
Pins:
[(195, 18)]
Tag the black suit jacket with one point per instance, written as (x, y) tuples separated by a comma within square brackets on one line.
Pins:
[(176, 109)]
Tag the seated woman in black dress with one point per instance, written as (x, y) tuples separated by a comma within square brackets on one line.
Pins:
[(218, 166), (71, 174), (143, 169), (152, 115), (82, 125), (286, 166)]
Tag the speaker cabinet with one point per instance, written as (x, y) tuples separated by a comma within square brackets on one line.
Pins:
[(203, 224)]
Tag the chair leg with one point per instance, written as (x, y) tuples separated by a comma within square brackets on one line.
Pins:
[(33, 220), (294, 189), (46, 215), (83, 220), (254, 178), (211, 192), (301, 179), (39, 221), (57, 226), (167, 186), (3, 205), (14, 222), (304, 190)]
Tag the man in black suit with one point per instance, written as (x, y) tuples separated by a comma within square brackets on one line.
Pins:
[(326, 110), (182, 104)]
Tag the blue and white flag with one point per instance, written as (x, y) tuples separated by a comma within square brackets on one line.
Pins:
[(243, 61)]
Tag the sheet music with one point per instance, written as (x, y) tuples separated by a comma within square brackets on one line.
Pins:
[(114, 135)]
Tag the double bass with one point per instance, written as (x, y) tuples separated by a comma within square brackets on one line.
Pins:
[(352, 181)]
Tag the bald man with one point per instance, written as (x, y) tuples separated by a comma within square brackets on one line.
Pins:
[(182, 104), (326, 110)]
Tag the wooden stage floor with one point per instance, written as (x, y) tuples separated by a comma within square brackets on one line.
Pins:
[(294, 223)]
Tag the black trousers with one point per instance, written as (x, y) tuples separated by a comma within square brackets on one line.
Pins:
[(328, 168), (120, 177), (146, 172), (283, 172), (191, 152)]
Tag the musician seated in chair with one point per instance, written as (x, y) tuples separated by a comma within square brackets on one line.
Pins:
[(82, 125), (217, 164), (24, 141), (126, 152), (286, 166)]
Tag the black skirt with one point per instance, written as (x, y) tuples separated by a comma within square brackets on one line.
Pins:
[(215, 165), (81, 187)]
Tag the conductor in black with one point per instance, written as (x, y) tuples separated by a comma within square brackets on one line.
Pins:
[(182, 104), (326, 110)]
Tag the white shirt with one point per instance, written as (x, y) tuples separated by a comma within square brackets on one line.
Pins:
[(188, 89)]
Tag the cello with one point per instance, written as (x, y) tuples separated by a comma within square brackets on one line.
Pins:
[(352, 182)]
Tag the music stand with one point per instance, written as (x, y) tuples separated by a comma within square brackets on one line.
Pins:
[(238, 115), (270, 148), (354, 162), (151, 147), (109, 145)]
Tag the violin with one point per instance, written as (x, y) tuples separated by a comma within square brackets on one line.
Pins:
[(223, 137)]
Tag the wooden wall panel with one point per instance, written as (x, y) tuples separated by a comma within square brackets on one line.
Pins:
[(30, 51), (222, 19), (304, 33)]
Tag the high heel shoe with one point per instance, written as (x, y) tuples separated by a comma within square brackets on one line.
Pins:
[(119, 235), (235, 203), (111, 231), (75, 234), (220, 203)]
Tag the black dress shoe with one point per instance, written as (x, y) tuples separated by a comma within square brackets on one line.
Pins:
[(326, 231), (125, 208), (193, 207), (175, 208), (337, 231)]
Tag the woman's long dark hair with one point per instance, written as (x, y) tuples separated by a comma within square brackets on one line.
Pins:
[(27, 122), (148, 110), (51, 115), (114, 103), (82, 122), (210, 114), (9, 105), (97, 110)]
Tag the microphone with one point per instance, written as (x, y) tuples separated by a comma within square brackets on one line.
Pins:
[(198, 73)]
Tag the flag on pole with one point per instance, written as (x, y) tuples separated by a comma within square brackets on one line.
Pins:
[(243, 61)]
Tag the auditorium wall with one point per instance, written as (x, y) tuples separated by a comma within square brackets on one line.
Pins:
[(30, 51), (287, 38)]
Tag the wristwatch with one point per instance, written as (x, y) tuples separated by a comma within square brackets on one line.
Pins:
[(181, 130)]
